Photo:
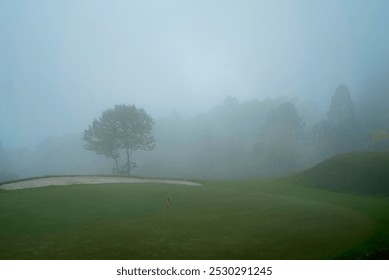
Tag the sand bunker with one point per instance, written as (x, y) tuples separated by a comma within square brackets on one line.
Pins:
[(73, 180)]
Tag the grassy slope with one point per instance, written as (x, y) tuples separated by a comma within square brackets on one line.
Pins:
[(363, 172), (279, 219)]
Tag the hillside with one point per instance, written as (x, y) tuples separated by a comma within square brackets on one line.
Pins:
[(362, 172)]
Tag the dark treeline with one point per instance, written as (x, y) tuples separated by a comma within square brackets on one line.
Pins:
[(252, 139), (266, 138)]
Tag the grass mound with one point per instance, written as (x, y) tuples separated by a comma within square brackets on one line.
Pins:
[(362, 172)]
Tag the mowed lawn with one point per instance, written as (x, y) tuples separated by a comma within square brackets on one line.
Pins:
[(274, 219)]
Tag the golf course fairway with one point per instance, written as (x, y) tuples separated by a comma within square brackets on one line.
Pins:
[(267, 219)]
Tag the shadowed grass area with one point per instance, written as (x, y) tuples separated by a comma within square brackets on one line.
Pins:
[(363, 172), (277, 219)]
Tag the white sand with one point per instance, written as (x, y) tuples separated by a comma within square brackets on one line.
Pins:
[(73, 180)]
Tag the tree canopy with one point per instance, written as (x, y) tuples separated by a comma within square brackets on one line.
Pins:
[(123, 129), (342, 107)]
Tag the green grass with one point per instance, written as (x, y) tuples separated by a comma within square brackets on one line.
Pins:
[(362, 172), (274, 219)]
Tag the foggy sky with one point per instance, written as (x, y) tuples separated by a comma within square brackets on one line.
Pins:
[(63, 62)]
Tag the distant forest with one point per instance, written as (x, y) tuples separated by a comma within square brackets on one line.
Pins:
[(251, 139)]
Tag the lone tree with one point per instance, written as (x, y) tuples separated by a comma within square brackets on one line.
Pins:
[(123, 129)]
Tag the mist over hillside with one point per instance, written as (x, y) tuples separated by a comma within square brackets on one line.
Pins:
[(250, 139), (237, 89)]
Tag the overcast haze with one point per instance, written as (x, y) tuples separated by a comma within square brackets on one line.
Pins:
[(63, 62)]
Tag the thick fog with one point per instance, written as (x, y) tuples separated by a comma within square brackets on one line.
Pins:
[(237, 89)]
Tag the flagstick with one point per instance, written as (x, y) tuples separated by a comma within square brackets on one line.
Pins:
[(167, 207)]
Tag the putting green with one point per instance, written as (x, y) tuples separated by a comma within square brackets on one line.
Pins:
[(219, 220)]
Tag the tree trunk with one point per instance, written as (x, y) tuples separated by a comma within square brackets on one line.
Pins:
[(128, 164), (117, 164)]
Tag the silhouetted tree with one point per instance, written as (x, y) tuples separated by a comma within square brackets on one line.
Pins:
[(341, 131), (124, 128), (278, 145), (342, 108)]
